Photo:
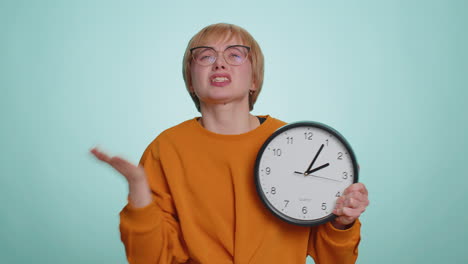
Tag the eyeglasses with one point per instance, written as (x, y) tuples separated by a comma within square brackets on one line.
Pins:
[(233, 55)]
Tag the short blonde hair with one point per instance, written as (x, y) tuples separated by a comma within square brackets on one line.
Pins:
[(217, 31)]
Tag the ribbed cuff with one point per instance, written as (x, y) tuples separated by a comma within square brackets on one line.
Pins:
[(343, 236), (141, 219)]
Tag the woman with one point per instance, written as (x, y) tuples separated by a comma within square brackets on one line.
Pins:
[(192, 198)]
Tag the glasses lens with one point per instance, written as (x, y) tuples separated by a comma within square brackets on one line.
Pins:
[(204, 56), (236, 55)]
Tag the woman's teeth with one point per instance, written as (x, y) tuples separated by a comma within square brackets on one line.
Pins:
[(220, 79)]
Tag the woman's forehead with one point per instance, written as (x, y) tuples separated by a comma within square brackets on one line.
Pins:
[(221, 39)]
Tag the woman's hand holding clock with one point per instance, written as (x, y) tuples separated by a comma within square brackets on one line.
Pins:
[(350, 205)]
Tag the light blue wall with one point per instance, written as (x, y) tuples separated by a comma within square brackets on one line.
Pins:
[(390, 76)]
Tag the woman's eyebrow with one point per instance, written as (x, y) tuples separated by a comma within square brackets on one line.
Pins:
[(201, 47)]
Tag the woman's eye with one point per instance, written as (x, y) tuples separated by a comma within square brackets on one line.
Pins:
[(206, 57), (235, 55)]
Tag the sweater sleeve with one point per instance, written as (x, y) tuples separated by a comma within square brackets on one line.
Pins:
[(328, 245), (152, 234)]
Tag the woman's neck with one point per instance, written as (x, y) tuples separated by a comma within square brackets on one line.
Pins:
[(224, 119)]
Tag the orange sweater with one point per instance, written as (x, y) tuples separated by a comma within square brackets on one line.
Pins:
[(206, 209)]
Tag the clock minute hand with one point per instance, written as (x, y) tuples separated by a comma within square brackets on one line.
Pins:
[(318, 168), (315, 158)]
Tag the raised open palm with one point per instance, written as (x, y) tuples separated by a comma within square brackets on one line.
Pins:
[(131, 172)]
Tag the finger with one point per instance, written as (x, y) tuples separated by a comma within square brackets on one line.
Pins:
[(118, 165), (340, 200), (355, 204), (364, 189), (345, 220), (351, 212), (122, 162), (100, 155), (352, 203), (348, 212), (121, 165), (353, 199), (356, 187), (357, 196), (338, 211)]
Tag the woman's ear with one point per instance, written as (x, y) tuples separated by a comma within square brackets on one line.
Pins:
[(254, 86)]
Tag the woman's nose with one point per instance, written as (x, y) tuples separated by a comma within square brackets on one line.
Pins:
[(220, 62)]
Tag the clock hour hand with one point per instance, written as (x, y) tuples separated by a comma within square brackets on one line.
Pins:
[(316, 169), (315, 158)]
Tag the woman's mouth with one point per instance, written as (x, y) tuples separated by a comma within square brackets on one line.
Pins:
[(220, 80)]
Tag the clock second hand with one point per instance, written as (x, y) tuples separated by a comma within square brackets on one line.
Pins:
[(323, 178)]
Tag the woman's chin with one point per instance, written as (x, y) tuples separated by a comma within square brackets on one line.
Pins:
[(224, 100)]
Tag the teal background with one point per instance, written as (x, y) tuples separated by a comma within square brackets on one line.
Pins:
[(389, 75)]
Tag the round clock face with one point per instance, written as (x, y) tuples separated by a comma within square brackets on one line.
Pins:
[(302, 169)]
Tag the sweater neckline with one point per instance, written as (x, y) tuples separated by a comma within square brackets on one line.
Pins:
[(252, 133)]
